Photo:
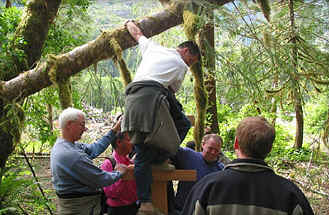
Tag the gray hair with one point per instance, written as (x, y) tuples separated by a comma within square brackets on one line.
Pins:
[(69, 114)]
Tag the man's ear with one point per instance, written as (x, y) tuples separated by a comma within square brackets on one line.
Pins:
[(236, 144)]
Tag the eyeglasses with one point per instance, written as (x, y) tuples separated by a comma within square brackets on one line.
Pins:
[(82, 124)]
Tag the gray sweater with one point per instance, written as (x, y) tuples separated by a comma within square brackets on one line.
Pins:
[(72, 168)]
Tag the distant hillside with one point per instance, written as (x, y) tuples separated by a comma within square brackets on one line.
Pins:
[(110, 14)]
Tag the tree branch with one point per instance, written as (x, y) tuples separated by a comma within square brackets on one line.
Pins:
[(99, 49), (83, 56)]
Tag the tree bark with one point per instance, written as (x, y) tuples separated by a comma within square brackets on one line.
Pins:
[(207, 45), (299, 123), (8, 3), (296, 88), (33, 28), (200, 98), (88, 54)]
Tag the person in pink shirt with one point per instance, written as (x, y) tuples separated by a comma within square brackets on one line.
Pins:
[(121, 196)]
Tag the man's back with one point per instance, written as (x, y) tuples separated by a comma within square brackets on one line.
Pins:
[(248, 187)]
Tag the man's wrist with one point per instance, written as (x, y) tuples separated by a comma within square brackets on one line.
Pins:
[(114, 131)]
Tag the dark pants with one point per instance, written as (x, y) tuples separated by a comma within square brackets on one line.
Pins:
[(145, 157), (182, 123), (123, 210)]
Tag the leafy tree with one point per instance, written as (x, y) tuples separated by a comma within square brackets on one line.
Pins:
[(34, 34), (260, 64)]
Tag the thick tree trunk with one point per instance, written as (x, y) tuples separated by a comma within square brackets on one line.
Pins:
[(8, 3), (296, 91), (207, 43), (299, 123), (33, 29), (6, 147), (200, 98)]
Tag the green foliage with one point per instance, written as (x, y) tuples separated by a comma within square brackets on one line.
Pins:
[(18, 191), (61, 40), (249, 67), (227, 123), (9, 19), (104, 92), (12, 122), (36, 112), (70, 28), (12, 185), (84, 4), (316, 114), (283, 151)]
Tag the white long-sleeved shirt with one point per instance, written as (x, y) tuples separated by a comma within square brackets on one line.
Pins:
[(164, 65)]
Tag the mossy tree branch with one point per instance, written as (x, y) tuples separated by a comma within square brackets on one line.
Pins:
[(88, 54), (33, 28)]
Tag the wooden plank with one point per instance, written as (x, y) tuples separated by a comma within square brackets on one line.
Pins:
[(158, 175), (159, 185), (159, 196)]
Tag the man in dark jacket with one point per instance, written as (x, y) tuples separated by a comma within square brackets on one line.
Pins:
[(248, 185)]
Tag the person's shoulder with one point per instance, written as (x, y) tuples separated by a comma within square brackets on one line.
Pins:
[(145, 42), (220, 165), (213, 178), (287, 184), (188, 151)]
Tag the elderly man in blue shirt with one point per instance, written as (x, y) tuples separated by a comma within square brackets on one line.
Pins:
[(76, 179)]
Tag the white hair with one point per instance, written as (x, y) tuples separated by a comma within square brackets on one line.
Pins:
[(69, 114)]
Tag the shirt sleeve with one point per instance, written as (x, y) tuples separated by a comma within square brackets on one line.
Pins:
[(144, 44), (175, 159), (97, 148), (107, 166), (177, 83), (84, 171)]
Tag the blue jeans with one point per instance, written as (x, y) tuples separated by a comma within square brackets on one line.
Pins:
[(145, 157)]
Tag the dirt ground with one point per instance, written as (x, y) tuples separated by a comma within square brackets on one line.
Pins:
[(312, 179)]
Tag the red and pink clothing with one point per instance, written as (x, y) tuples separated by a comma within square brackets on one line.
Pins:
[(122, 192)]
